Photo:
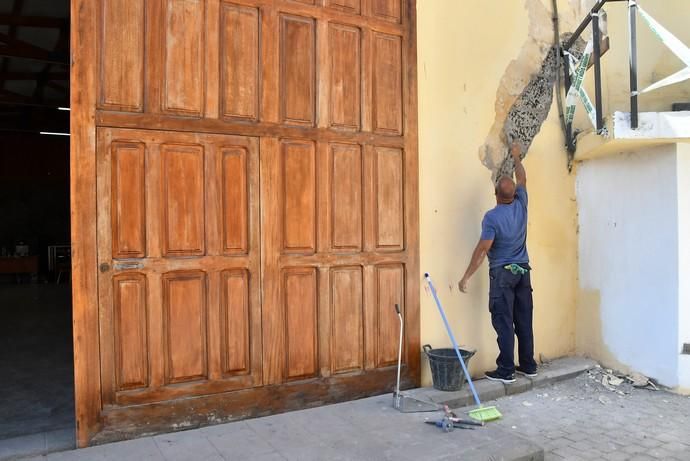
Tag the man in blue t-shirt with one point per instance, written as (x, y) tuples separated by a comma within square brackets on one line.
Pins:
[(504, 239)]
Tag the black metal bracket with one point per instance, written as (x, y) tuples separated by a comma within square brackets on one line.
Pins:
[(593, 18)]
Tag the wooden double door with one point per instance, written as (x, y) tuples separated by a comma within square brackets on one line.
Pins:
[(256, 207)]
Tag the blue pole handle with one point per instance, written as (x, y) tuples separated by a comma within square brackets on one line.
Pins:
[(452, 338)]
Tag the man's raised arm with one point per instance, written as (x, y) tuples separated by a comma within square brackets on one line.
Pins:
[(520, 174)]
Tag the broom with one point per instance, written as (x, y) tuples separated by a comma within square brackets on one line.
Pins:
[(482, 413)]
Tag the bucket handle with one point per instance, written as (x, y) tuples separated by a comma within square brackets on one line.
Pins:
[(427, 348)]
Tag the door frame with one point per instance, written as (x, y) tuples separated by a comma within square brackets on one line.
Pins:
[(83, 87), (83, 202)]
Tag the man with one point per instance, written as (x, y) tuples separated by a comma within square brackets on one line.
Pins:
[(504, 239)]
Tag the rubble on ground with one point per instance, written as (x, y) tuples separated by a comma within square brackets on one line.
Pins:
[(620, 383)]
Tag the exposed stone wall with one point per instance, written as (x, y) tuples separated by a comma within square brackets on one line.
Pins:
[(525, 95)]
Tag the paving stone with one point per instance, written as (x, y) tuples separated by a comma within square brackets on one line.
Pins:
[(649, 442), (576, 436), (659, 453), (676, 447), (617, 456), (633, 448), (641, 457), (568, 453), (240, 443), (582, 445), (181, 446), (60, 440), (24, 445), (143, 449)]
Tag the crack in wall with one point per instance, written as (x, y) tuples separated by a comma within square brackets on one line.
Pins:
[(525, 94)]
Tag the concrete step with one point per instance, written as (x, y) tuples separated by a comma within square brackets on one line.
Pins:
[(549, 373)]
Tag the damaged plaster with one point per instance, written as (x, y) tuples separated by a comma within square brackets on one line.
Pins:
[(525, 93)]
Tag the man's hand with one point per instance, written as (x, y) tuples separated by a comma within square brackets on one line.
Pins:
[(515, 150), (478, 256), (462, 285)]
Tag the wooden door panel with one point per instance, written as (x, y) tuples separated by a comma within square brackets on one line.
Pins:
[(297, 70), (390, 211), (129, 200), (390, 291), (387, 9), (122, 55), (235, 315), (184, 326), (344, 44), (346, 196), (184, 44), (240, 58), (351, 6), (299, 195), (387, 84), (235, 200), (301, 322), (347, 314), (131, 331), (183, 199)]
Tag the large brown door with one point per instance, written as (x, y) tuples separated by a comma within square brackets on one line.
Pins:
[(256, 208)]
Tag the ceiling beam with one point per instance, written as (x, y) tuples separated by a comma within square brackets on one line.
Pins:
[(33, 119), (57, 86), (15, 99), (33, 21), (14, 48), (34, 75)]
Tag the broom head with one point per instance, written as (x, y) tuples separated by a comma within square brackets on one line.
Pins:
[(485, 414)]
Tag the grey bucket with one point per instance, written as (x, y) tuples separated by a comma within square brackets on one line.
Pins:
[(446, 372)]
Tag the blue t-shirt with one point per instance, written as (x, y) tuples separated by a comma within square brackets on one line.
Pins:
[(506, 225)]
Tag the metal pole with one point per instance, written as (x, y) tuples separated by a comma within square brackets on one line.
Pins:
[(632, 14), (596, 37)]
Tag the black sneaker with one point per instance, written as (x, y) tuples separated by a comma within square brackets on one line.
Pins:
[(496, 376), (522, 371)]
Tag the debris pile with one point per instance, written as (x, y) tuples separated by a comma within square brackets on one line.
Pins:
[(620, 383)]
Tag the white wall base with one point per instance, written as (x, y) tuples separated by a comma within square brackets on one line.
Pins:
[(633, 218)]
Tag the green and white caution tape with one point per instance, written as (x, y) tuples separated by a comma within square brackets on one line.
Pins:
[(586, 102), (675, 45), (577, 90)]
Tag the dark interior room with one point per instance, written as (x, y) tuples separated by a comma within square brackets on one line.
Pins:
[(36, 361)]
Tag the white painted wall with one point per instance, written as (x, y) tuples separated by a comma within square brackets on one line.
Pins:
[(628, 250), (683, 159)]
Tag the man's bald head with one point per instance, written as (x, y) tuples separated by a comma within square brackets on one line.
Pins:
[(505, 190)]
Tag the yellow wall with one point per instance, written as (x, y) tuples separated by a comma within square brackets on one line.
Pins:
[(464, 48)]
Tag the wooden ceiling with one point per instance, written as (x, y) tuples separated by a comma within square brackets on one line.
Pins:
[(34, 65)]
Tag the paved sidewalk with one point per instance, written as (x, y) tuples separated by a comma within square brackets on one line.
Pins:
[(580, 419), (367, 429), (577, 419)]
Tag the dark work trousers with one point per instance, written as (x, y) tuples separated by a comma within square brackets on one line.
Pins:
[(510, 304)]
